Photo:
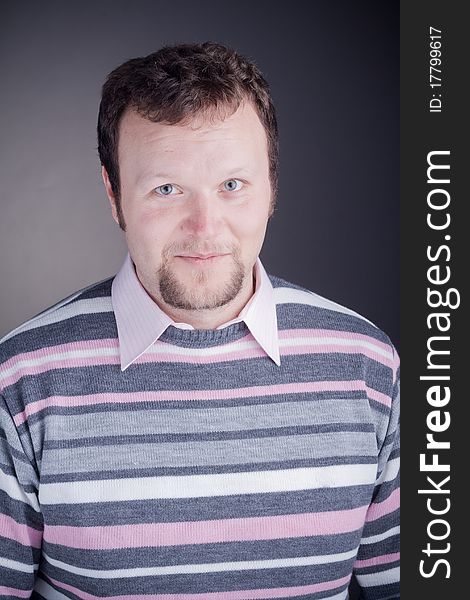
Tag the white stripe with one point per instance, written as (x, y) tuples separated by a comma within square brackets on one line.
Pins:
[(59, 312), (60, 356), (284, 295), (379, 577), (17, 566), (372, 539), (47, 591), (204, 486), (390, 472), (317, 341), (248, 565), (10, 486)]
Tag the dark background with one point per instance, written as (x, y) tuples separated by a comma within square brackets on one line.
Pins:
[(333, 68)]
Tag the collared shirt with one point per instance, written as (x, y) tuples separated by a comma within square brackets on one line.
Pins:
[(140, 321)]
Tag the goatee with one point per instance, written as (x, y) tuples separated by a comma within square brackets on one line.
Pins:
[(199, 294)]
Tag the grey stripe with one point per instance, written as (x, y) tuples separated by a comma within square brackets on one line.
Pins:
[(382, 546), (14, 551), (219, 582), (197, 420), (257, 450), (385, 522), (207, 436), (208, 470), (191, 553), (20, 512), (198, 568), (306, 297), (193, 509)]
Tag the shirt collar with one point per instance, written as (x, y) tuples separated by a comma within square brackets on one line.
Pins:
[(140, 321)]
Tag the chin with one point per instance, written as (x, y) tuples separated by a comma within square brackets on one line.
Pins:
[(202, 291)]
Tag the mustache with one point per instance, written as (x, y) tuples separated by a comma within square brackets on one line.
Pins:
[(198, 247)]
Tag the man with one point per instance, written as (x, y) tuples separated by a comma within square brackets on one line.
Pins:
[(195, 428)]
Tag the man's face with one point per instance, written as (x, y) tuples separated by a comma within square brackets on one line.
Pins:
[(196, 199)]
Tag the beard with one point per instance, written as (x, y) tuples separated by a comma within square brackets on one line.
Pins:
[(201, 291)]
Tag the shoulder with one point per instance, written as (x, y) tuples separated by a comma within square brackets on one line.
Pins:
[(73, 318), (305, 316), (297, 306)]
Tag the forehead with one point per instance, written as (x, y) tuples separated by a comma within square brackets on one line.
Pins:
[(242, 126)]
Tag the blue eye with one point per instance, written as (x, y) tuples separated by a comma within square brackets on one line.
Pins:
[(166, 189), (232, 185)]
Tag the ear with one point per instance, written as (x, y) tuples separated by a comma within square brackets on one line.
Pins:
[(110, 194)]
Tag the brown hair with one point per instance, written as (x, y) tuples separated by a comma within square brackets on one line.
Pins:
[(173, 85)]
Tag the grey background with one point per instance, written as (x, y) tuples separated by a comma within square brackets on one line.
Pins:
[(333, 68)]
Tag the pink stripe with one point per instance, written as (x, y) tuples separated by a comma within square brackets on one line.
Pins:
[(206, 532), (7, 591), (378, 560), (27, 536), (380, 509), (378, 396), (185, 395), (236, 595)]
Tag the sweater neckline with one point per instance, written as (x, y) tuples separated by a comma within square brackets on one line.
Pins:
[(203, 338)]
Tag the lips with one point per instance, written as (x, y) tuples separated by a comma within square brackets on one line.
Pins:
[(201, 258)]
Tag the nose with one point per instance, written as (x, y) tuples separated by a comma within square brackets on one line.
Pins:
[(203, 217)]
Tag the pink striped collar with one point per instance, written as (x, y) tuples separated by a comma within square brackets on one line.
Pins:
[(140, 321)]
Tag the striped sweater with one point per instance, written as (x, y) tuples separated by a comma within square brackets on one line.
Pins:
[(204, 470)]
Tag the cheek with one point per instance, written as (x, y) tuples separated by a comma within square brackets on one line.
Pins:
[(150, 226), (250, 228), (144, 237)]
